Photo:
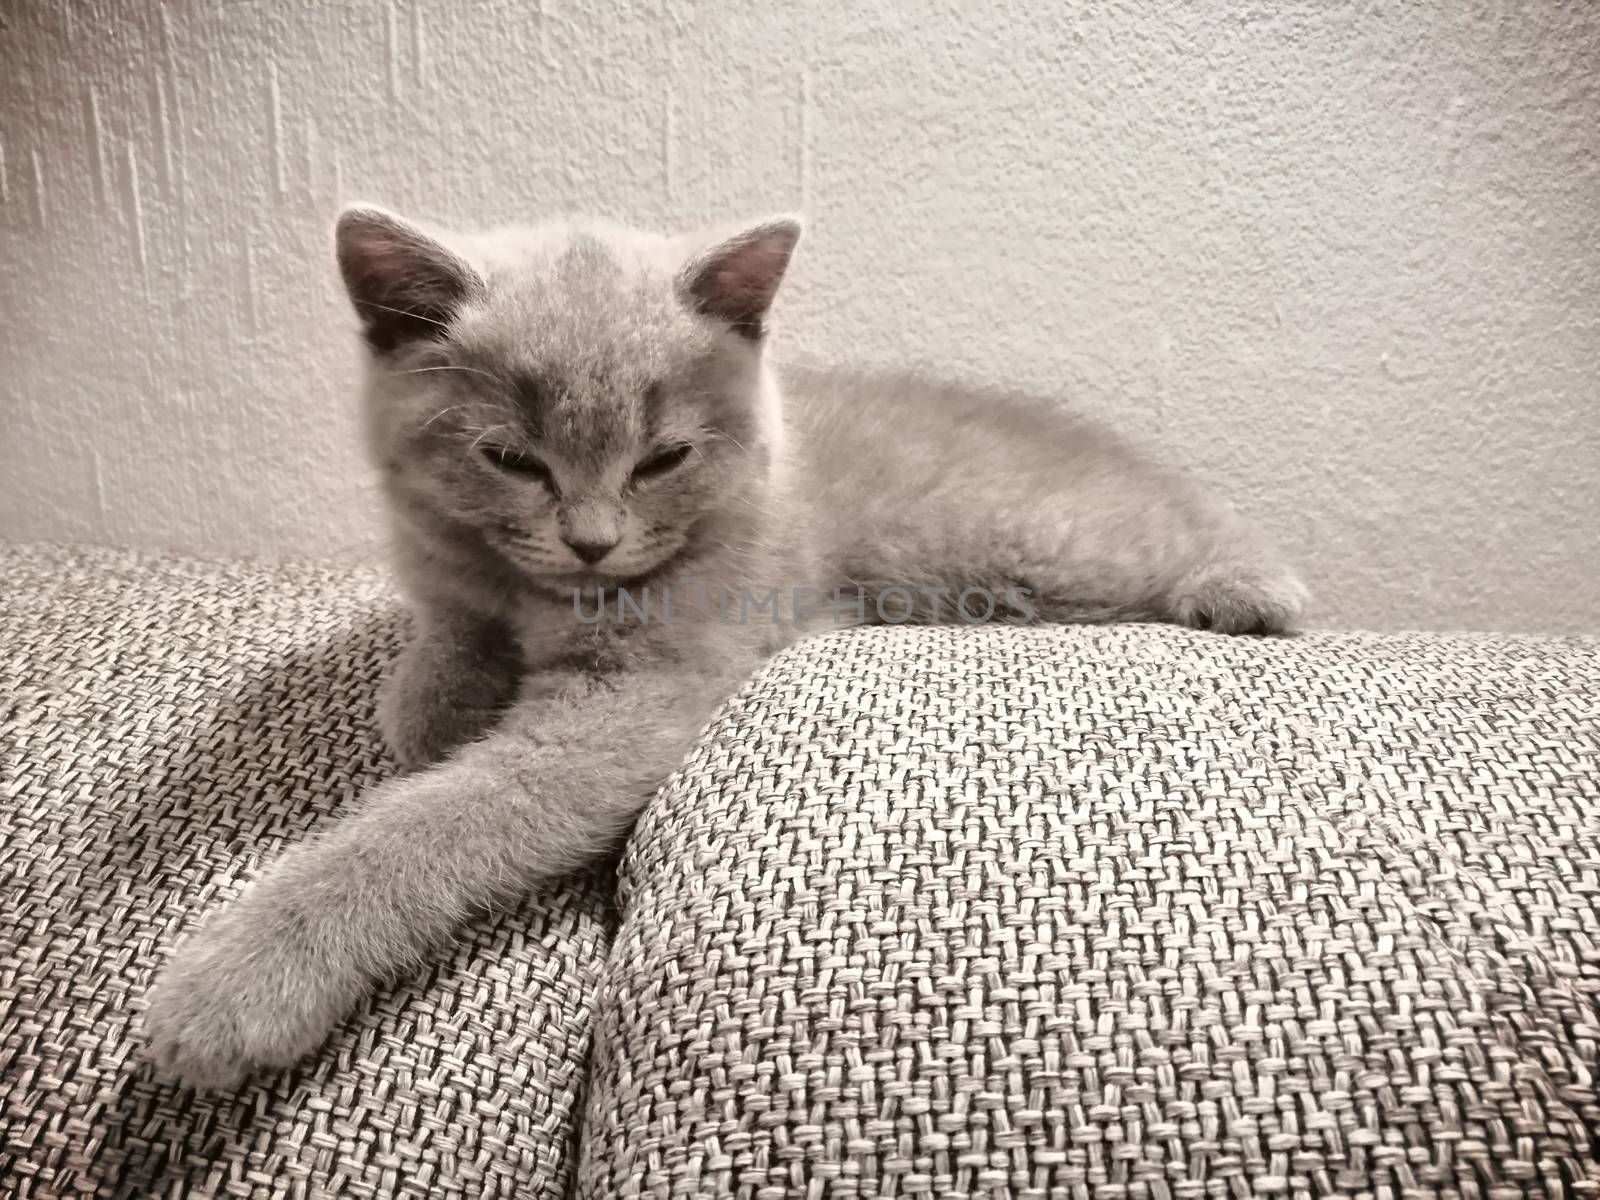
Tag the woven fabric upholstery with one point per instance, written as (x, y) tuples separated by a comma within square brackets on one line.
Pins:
[(164, 728), (1008, 913), (1117, 912)]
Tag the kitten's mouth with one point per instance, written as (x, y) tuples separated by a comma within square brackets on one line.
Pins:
[(590, 580), (536, 564), (583, 578), (591, 577), (587, 579)]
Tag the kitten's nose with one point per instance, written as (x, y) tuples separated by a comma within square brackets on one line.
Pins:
[(590, 551)]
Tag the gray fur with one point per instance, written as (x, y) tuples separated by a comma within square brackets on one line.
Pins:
[(576, 353)]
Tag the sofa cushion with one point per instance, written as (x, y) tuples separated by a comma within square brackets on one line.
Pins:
[(164, 728), (1125, 911)]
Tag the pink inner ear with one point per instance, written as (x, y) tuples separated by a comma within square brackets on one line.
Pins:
[(750, 281), (386, 262), (404, 285), (741, 278)]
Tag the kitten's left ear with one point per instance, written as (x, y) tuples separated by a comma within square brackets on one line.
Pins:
[(405, 284), (736, 279)]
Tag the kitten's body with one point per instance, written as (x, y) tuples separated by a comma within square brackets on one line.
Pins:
[(637, 441), (935, 485)]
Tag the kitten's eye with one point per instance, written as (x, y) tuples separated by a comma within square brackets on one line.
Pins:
[(515, 462), (663, 461)]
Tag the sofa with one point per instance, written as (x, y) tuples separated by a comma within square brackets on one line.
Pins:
[(1043, 913)]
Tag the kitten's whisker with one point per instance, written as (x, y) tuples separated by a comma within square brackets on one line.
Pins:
[(489, 432), (728, 437), (443, 412), (425, 370), (404, 312)]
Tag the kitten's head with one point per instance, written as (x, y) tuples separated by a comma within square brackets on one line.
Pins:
[(589, 400)]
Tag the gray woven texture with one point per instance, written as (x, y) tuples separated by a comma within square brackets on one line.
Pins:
[(163, 730), (1053, 913), (1117, 912)]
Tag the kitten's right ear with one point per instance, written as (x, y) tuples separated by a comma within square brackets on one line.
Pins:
[(404, 284), (736, 280)]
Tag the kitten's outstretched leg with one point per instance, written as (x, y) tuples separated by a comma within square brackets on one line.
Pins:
[(1222, 581), (1191, 563), (1164, 549), (261, 982), (1239, 596), (451, 685)]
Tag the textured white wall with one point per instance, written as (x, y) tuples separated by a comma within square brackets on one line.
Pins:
[(1345, 258)]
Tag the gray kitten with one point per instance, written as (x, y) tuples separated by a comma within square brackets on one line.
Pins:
[(565, 411)]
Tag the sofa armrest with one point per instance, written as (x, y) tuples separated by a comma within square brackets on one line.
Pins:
[(1135, 910)]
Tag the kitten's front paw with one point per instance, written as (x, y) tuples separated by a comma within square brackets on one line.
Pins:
[(1238, 598), (234, 998)]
